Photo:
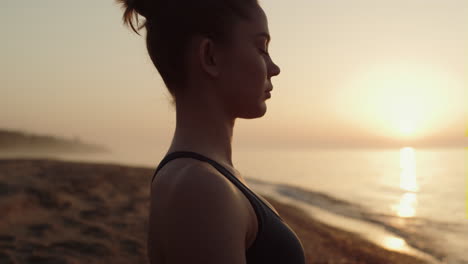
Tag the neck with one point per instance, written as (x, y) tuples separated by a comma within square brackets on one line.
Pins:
[(203, 127)]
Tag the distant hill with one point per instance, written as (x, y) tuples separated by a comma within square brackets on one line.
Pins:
[(21, 141)]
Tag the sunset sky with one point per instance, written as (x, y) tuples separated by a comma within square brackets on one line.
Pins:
[(360, 73)]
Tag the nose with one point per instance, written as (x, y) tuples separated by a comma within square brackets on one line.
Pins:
[(274, 69)]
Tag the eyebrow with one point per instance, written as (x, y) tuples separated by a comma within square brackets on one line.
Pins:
[(266, 35)]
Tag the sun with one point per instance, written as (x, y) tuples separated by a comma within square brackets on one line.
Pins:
[(404, 101)]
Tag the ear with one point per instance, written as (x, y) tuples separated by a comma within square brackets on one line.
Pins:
[(208, 57)]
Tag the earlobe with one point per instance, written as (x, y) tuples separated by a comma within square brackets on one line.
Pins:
[(207, 57)]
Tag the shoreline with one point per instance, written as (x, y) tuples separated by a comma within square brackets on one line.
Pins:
[(77, 212), (335, 245), (377, 230)]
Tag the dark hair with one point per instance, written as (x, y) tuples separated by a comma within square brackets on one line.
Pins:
[(170, 25)]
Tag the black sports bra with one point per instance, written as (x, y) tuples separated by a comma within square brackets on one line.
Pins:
[(275, 242)]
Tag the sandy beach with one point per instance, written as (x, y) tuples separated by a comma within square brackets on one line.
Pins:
[(71, 212)]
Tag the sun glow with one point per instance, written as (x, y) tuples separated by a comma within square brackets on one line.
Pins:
[(404, 101)]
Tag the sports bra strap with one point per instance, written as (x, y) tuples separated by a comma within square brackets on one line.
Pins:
[(190, 154)]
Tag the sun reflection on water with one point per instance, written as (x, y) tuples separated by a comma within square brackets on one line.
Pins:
[(408, 170), (408, 182), (406, 206), (394, 243)]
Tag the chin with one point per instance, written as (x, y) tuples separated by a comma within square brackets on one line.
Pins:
[(257, 113)]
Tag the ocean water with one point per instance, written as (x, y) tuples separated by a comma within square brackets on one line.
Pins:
[(418, 196), (406, 182)]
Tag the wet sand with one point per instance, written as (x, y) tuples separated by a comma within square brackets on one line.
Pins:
[(71, 212)]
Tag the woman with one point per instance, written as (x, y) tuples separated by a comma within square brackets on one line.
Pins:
[(213, 58)]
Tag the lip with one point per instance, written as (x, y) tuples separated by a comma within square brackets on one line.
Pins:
[(268, 94)]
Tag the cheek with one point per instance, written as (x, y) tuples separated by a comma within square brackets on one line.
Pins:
[(247, 75), (256, 65), (253, 69)]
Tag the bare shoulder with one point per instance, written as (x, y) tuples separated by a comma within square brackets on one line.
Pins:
[(196, 216)]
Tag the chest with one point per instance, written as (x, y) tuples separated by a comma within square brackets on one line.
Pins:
[(241, 179)]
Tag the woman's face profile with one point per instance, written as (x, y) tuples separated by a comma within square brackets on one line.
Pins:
[(247, 68)]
